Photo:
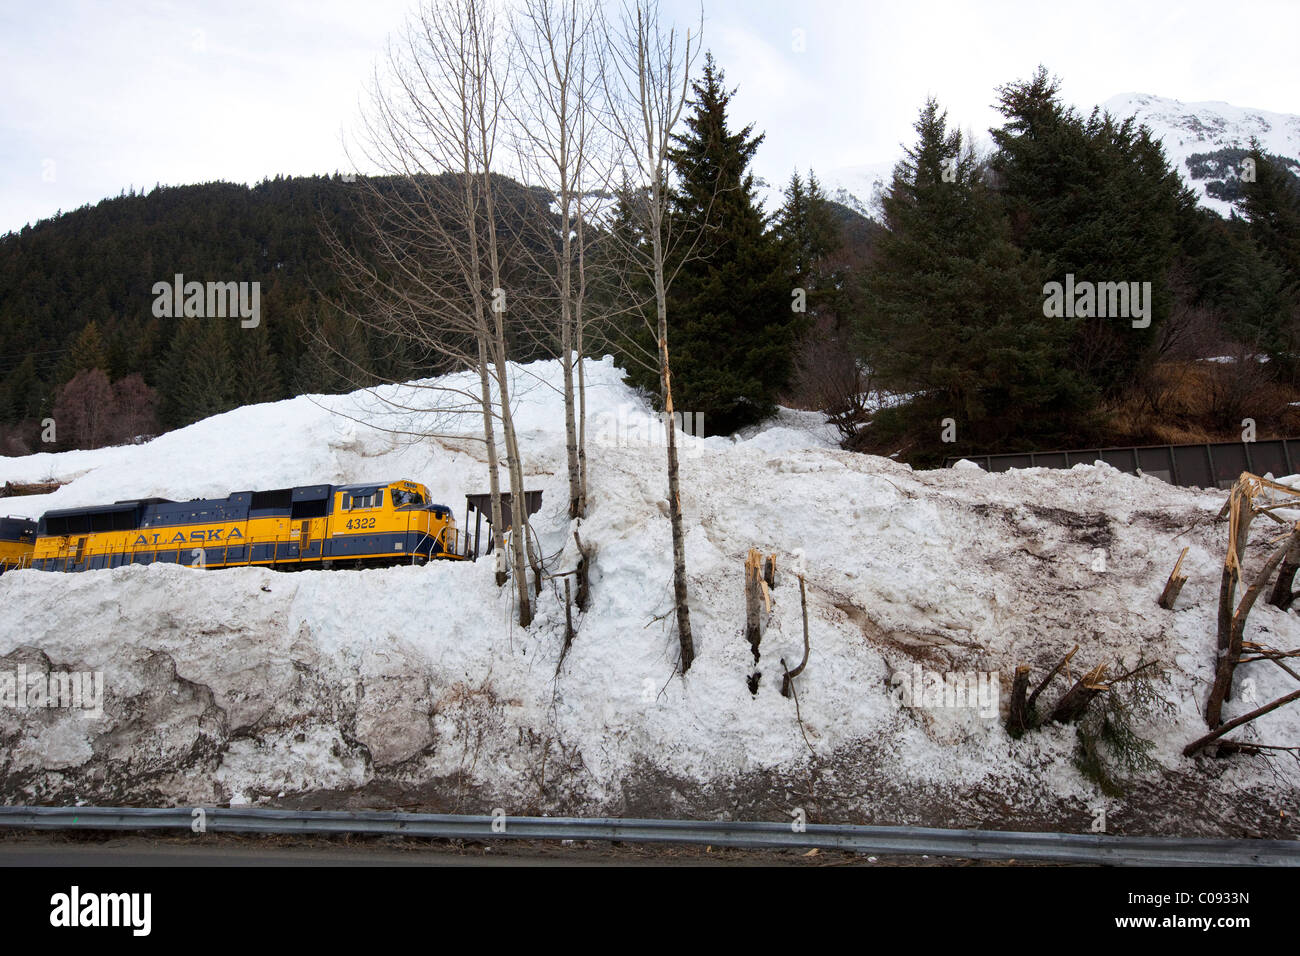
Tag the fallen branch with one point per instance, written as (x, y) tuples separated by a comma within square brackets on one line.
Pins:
[(799, 719), (1234, 746), (1284, 667), (568, 628), (787, 685), (1214, 735)]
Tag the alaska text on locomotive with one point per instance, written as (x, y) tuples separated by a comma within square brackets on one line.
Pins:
[(82, 691), (216, 300)]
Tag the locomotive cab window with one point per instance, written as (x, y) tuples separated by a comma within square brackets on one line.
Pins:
[(373, 500)]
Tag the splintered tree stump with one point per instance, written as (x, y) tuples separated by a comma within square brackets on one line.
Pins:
[(584, 573), (1018, 715), (1240, 514), (1230, 654), (1174, 585), (1076, 700), (753, 600)]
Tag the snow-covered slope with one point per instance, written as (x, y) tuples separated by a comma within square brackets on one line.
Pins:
[(412, 686), (1190, 128)]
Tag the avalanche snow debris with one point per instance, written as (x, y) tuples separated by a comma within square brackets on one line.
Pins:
[(414, 680)]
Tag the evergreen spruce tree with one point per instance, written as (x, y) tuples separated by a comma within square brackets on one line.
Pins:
[(1271, 204), (200, 376), (257, 374), (732, 327), (88, 351), (24, 391), (616, 281), (810, 236), (1094, 198), (953, 314), (1259, 279)]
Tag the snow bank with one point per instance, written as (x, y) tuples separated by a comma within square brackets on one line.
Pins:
[(412, 685)]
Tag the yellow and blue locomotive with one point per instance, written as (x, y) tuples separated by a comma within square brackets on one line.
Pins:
[(17, 541), (320, 526)]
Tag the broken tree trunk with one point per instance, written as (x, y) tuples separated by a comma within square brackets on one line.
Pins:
[(1076, 700), (1174, 584), (753, 600), (584, 573), (790, 675), (1231, 652), (1240, 514), (1018, 715)]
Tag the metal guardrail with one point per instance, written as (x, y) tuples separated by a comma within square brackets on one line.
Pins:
[(1208, 465), (913, 841)]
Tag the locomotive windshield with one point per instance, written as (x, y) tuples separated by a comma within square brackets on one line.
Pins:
[(402, 497)]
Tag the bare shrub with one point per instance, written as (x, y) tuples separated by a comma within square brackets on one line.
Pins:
[(83, 409), (476, 714), (830, 379)]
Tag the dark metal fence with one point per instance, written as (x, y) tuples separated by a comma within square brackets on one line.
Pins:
[(1210, 465)]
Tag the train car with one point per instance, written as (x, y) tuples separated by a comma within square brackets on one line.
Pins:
[(321, 526), (17, 542)]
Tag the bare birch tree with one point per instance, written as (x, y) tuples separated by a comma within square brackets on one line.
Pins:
[(437, 278), (646, 80), (553, 110)]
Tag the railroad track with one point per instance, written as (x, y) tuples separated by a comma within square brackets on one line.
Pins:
[(912, 841)]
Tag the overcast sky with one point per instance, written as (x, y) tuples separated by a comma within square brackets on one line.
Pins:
[(99, 97)]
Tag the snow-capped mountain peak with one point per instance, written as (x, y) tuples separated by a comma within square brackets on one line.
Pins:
[(857, 187), (1204, 141)]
